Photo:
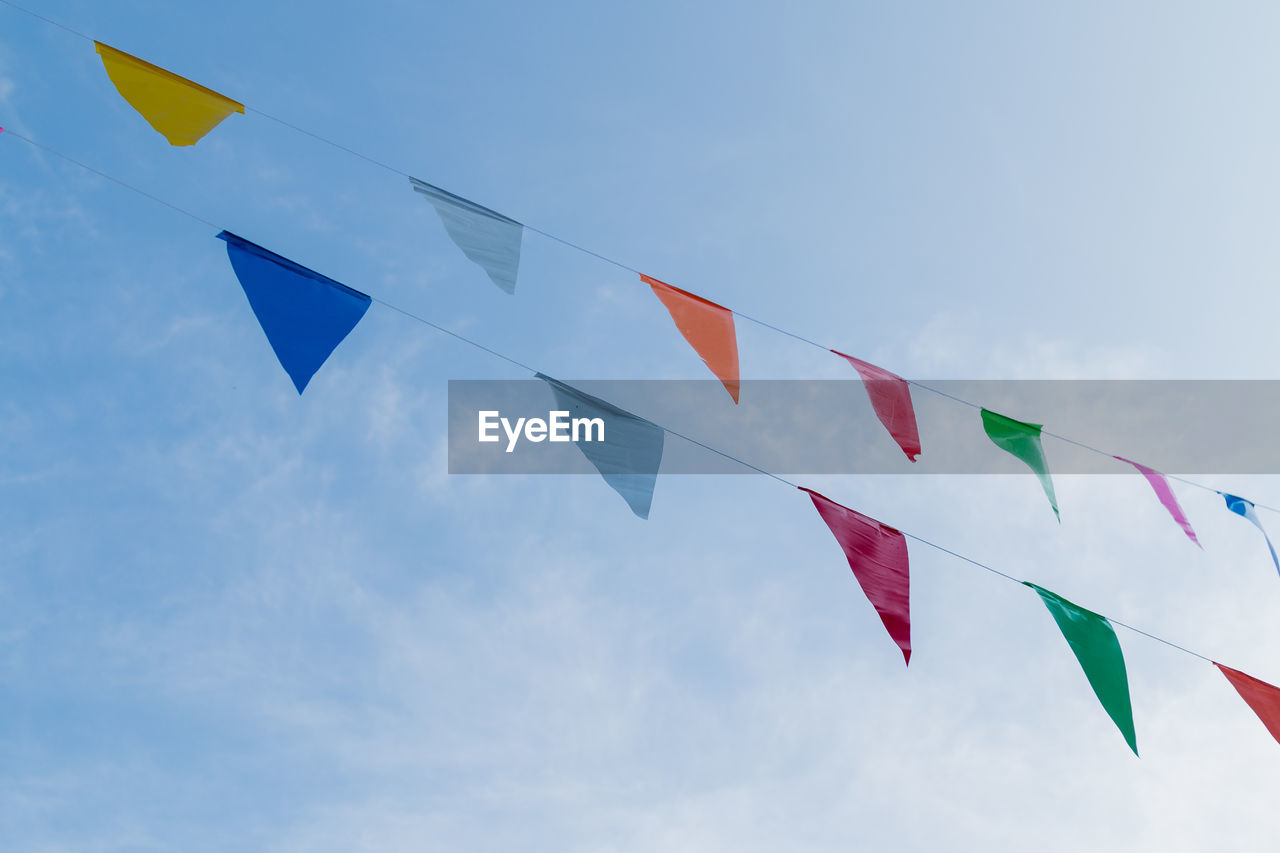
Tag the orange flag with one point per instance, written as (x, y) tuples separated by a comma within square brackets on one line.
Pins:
[(707, 327), (1263, 698)]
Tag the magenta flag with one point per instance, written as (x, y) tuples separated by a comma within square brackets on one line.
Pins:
[(891, 398), (1166, 496), (877, 554)]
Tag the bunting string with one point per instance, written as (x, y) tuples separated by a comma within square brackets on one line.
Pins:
[(306, 315), (517, 363), (577, 247)]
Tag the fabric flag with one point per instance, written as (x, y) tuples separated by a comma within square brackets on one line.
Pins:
[(1240, 506), (1263, 698), (1094, 643), (1023, 441), (878, 556), (1166, 496), (180, 110), (707, 327), (629, 456), (304, 314), (485, 236), (891, 398)]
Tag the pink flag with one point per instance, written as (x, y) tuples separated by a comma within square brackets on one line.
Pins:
[(878, 556), (1263, 698), (891, 398), (1166, 496)]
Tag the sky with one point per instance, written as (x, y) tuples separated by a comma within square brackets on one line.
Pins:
[(233, 618)]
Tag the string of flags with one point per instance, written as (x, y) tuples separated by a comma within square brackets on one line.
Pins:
[(305, 316), (184, 111)]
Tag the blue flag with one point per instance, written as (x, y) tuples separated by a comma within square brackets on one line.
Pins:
[(630, 453), (1245, 508), (304, 314), (485, 236)]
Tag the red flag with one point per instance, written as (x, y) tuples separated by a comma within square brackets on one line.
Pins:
[(1263, 698), (891, 398), (878, 556), (707, 327)]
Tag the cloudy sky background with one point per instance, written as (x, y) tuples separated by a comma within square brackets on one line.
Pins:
[(233, 618)]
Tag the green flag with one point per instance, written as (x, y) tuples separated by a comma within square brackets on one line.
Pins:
[(1094, 642), (1023, 441)]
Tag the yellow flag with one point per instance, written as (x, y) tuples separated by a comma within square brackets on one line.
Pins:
[(182, 111)]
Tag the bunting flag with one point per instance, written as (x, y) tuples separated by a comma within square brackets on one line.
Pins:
[(1262, 697), (707, 327), (304, 314), (877, 554), (629, 456), (485, 236), (1245, 508), (891, 398), (1023, 441), (1166, 496), (1094, 643), (180, 110)]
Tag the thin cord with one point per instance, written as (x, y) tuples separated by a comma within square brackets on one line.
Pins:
[(46, 20), (524, 366), (117, 181), (584, 250), (320, 138), (1159, 639), (453, 334), (718, 452)]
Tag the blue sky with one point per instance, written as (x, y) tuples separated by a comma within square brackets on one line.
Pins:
[(233, 618)]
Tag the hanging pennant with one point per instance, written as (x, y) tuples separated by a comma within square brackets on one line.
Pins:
[(877, 554), (630, 453), (304, 314), (1166, 496), (891, 398), (1262, 697), (485, 236), (1023, 441), (180, 110), (1245, 508), (707, 327), (1094, 643)]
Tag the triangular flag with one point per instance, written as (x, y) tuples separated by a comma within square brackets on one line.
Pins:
[(304, 314), (485, 236), (1023, 441), (630, 453), (1240, 506), (878, 556), (180, 110), (1166, 496), (891, 398), (1263, 698), (707, 327), (1094, 643)]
